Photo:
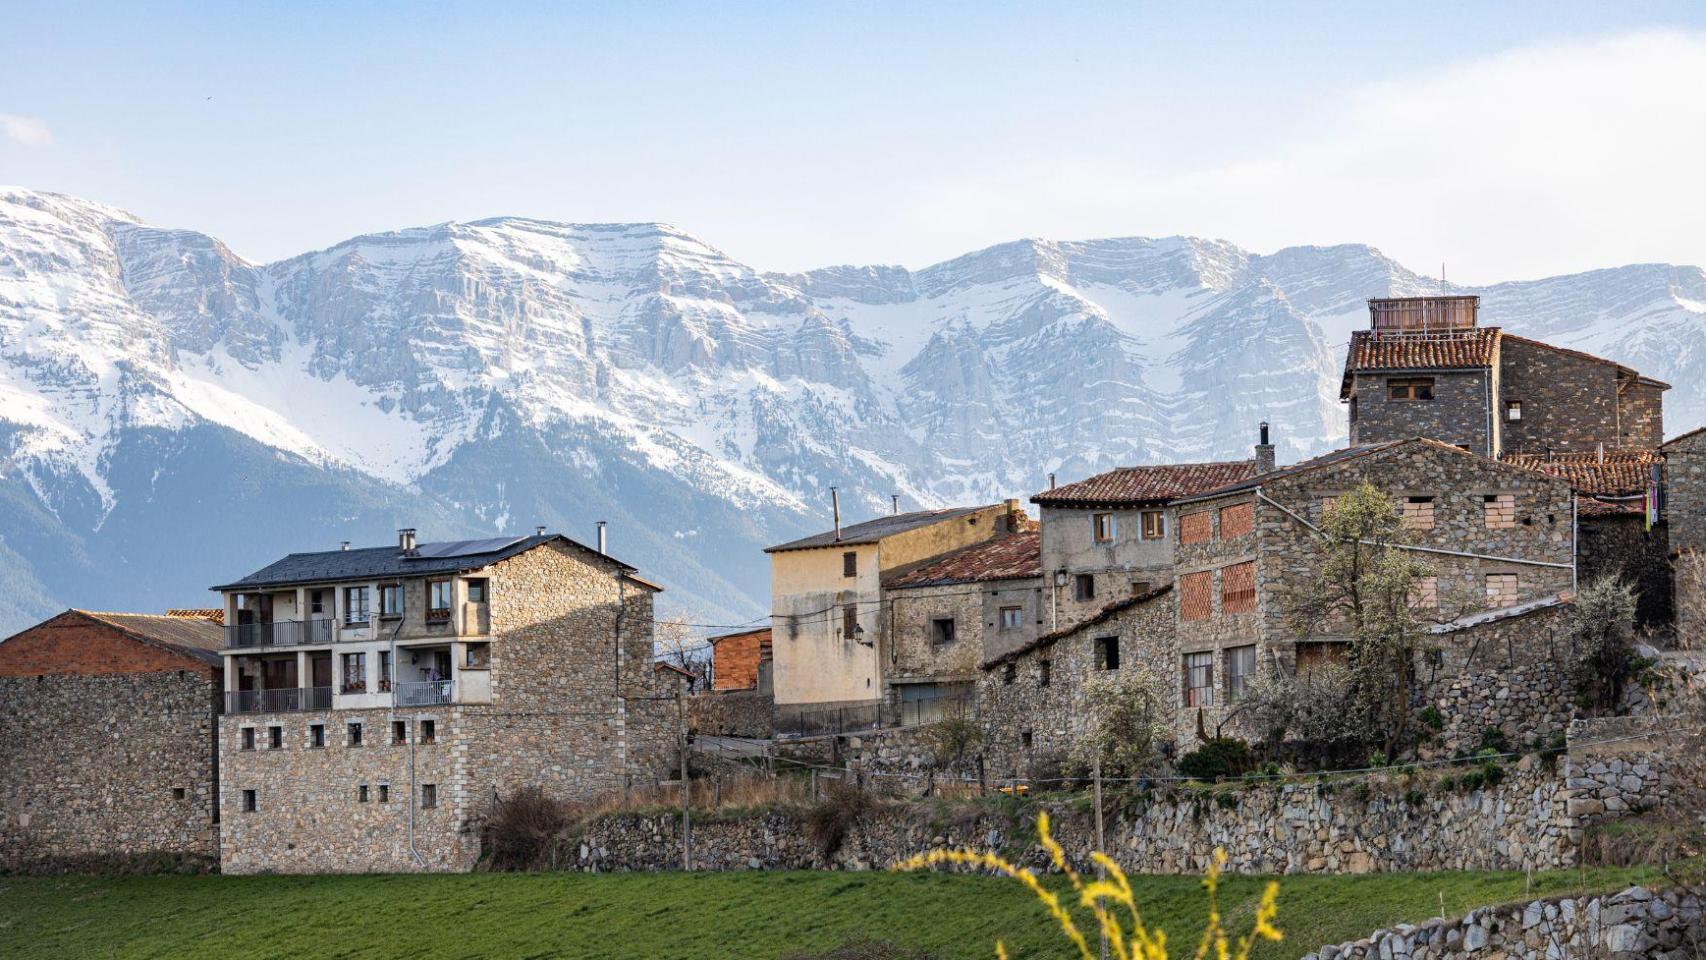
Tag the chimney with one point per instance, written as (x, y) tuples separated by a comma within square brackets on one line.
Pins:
[(343, 545), (894, 503), (1264, 452), (601, 538), (406, 539), (835, 505), (1051, 479), (539, 531), (1015, 515)]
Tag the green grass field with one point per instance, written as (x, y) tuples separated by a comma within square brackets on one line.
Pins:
[(701, 916)]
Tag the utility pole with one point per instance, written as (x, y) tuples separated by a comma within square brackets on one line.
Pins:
[(1101, 845), (686, 787)]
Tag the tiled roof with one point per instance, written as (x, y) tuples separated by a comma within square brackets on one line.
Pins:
[(1446, 350), (873, 530), (1589, 507), (191, 636), (1618, 473), (1008, 558), (1101, 616), (1147, 484), (378, 563)]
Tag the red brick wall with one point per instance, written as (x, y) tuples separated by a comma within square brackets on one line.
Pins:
[(735, 660), (74, 644), (1195, 527), (1195, 601)]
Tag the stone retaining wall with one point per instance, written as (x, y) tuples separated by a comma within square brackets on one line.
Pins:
[(733, 713), (1630, 924)]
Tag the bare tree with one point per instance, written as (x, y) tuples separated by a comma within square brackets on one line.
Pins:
[(674, 644)]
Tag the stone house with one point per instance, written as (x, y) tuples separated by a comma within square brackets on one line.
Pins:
[(107, 740), (379, 702), (1032, 699), (1110, 536), (741, 661), (1685, 520), (827, 604), (1425, 368), (944, 619)]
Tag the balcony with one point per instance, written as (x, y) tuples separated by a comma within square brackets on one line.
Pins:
[(425, 693), (278, 633), (281, 700)]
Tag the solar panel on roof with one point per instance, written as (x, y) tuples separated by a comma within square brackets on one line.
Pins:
[(463, 548)]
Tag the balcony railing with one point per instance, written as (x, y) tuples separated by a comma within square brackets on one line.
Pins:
[(423, 693), (281, 700), (279, 633)]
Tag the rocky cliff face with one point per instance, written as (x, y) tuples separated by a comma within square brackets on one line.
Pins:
[(162, 397)]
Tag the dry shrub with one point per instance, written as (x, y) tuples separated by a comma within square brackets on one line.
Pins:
[(523, 829), (844, 804)]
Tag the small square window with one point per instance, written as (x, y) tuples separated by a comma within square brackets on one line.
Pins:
[(251, 803), (850, 564), (1107, 653), (316, 735), (941, 631), (248, 738), (1084, 587), (1154, 525), (355, 734), (1417, 513), (399, 731), (1044, 673), (429, 795), (1141, 587), (1102, 527), (1012, 618), (275, 738), (1025, 740), (361, 794), (429, 731), (476, 590), (385, 793), (1513, 409), (178, 793)]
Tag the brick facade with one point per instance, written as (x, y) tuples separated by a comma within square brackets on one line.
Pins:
[(737, 658)]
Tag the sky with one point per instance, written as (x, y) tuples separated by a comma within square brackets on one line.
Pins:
[(1502, 141)]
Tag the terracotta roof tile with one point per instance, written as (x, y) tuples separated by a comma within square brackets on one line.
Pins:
[(1009, 558), (1148, 484), (1624, 472), (1444, 350)]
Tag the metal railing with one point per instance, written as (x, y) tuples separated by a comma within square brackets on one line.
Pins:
[(279, 633), (818, 720), (423, 693), (281, 700)]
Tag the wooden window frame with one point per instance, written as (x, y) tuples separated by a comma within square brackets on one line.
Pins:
[(1104, 528), (1202, 660), (1084, 586), (1018, 618), (1156, 530), (850, 563), (434, 612), (1409, 389)]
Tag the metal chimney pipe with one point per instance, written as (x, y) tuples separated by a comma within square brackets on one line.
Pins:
[(1264, 433), (343, 545), (539, 531), (835, 506), (1051, 479), (406, 539), (894, 503), (601, 537)]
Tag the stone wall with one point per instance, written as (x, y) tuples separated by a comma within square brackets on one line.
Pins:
[(1513, 675), (736, 713), (104, 768), (1633, 923), (1069, 544), (912, 654), (1457, 414), (1572, 402), (1617, 543)]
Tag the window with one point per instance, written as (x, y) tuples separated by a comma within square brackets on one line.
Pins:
[(1417, 513), (1513, 409), (429, 795), (361, 794), (429, 731), (250, 802), (384, 671), (385, 793), (941, 631), (391, 600), (1199, 679), (1107, 652), (477, 655), (1195, 601), (355, 604), (399, 731), (275, 738), (1410, 388), (476, 590), (1501, 589), (1012, 617), (1102, 527), (1010, 672), (316, 735), (438, 600), (1499, 510), (1238, 588), (850, 564), (355, 673), (1237, 520), (1426, 595), (1141, 587), (248, 738), (354, 734), (179, 793), (1084, 587), (1240, 671), (1025, 740), (1196, 527), (316, 601), (849, 621), (1044, 673), (1154, 524)]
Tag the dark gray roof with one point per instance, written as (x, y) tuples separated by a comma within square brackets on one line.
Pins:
[(873, 530), (378, 563)]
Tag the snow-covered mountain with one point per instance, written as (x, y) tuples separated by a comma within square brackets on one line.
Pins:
[(172, 415)]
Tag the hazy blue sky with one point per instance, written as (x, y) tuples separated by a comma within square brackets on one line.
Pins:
[(1511, 141)]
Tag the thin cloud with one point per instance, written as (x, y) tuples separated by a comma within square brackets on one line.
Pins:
[(25, 130)]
